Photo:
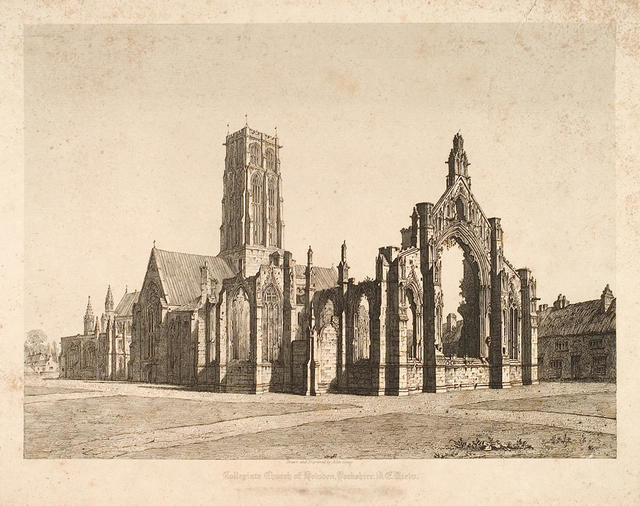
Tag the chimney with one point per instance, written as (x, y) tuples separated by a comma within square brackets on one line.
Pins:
[(606, 298)]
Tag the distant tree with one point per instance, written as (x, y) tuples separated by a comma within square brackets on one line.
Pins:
[(36, 342)]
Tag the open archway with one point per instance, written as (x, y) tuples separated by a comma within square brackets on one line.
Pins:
[(460, 309)]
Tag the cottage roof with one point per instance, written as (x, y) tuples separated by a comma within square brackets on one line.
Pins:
[(125, 306), (586, 317), (321, 277), (180, 274)]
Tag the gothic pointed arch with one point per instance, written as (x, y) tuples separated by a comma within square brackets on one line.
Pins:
[(271, 324), (257, 205), (240, 326), (362, 330)]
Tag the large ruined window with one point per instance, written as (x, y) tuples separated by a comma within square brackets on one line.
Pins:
[(513, 333), (151, 317), (505, 330), (258, 214), (271, 334), (362, 335), (411, 325), (327, 314), (240, 327)]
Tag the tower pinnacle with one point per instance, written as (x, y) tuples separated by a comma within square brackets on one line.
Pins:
[(89, 319), (108, 301), (458, 162)]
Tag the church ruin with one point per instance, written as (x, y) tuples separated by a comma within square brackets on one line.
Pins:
[(252, 319)]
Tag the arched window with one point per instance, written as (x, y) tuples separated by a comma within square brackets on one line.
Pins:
[(240, 328), (327, 314), (258, 214), (505, 325), (460, 210), (362, 336), (272, 210), (271, 335), (411, 325), (254, 154), (513, 333), (270, 159)]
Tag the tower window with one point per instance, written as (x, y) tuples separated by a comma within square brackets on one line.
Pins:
[(271, 201), (258, 214), (270, 158), (254, 154)]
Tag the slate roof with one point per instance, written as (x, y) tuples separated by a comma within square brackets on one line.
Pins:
[(577, 319), (180, 274), (321, 277), (125, 306)]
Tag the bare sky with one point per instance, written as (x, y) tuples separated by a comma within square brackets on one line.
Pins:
[(124, 128)]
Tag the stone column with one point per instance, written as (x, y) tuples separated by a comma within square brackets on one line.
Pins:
[(427, 257), (344, 283), (289, 316), (496, 322), (529, 342), (382, 274)]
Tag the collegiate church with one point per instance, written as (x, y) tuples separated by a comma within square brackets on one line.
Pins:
[(252, 319)]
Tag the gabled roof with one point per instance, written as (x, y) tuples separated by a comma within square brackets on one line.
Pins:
[(180, 274), (125, 306), (576, 319), (321, 277)]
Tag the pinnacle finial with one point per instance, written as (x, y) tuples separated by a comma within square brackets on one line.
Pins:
[(344, 251), (154, 244), (246, 120), (227, 128)]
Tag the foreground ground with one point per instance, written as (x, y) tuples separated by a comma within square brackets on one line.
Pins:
[(79, 419)]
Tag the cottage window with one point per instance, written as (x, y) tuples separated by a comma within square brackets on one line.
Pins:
[(556, 368), (595, 344), (600, 366), (561, 345)]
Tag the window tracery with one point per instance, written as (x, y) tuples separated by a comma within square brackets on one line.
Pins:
[(362, 335)]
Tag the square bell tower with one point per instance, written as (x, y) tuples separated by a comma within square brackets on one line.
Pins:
[(252, 228)]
